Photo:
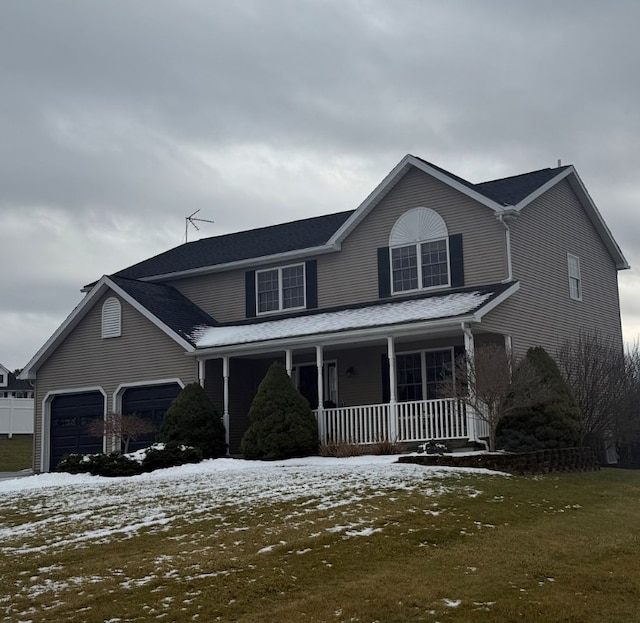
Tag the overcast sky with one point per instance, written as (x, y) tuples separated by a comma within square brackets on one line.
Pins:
[(120, 118)]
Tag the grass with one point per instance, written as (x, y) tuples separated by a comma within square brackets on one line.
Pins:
[(15, 453), (561, 548)]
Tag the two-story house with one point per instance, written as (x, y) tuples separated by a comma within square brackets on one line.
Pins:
[(367, 309), (16, 404)]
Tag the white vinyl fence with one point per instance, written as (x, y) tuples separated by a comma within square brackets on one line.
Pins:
[(16, 416)]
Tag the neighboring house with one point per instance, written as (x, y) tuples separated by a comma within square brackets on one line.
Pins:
[(380, 300), (16, 404)]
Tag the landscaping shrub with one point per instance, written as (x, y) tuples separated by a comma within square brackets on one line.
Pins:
[(282, 423), (551, 423), (158, 457), (192, 420), (340, 449), (110, 465), (383, 447)]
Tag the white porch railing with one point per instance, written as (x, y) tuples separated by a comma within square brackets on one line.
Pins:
[(16, 416), (419, 420)]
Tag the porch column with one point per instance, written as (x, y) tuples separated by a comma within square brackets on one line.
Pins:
[(225, 399), (469, 351), (201, 371), (288, 361), (393, 402), (319, 367)]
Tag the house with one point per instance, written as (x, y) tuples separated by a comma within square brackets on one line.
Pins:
[(367, 309), (16, 404)]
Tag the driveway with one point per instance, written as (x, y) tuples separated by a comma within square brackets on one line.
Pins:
[(21, 474)]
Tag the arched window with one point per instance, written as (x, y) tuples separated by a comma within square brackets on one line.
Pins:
[(111, 318), (419, 251)]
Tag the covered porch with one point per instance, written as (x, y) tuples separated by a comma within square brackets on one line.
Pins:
[(369, 374)]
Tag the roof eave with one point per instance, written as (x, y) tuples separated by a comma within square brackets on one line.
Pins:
[(246, 263)]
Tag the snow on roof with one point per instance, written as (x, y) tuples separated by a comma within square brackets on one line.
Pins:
[(431, 308)]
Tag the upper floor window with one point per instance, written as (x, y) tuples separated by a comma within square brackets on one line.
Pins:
[(111, 318), (575, 280), (2, 379), (419, 244), (281, 288)]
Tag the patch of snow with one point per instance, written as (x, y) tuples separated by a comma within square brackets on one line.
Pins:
[(452, 603), (430, 308)]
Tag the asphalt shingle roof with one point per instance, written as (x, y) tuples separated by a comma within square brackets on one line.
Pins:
[(261, 242), (168, 305), (306, 233)]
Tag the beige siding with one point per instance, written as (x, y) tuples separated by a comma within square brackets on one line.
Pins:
[(542, 313), (84, 359), (351, 275)]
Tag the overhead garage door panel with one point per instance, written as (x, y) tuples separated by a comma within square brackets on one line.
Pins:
[(70, 417), (151, 403)]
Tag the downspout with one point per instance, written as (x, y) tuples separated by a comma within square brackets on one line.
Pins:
[(503, 216)]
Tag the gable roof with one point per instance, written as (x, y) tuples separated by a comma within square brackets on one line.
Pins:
[(165, 307), (12, 382), (325, 234)]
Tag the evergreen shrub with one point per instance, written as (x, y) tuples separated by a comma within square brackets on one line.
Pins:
[(553, 422), (282, 424), (192, 420)]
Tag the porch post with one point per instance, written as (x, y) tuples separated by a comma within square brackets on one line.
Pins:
[(225, 385), (393, 403), (469, 351), (288, 361), (201, 371), (319, 367)]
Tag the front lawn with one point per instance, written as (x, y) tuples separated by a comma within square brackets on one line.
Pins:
[(15, 453), (338, 540)]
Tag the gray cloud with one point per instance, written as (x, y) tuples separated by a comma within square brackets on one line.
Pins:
[(118, 119)]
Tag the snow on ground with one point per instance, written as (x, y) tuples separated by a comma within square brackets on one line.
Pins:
[(104, 509)]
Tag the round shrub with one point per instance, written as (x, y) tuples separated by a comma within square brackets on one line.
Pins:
[(192, 420), (282, 422)]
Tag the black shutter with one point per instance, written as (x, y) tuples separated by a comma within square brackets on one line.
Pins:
[(384, 273), (250, 293), (384, 367), (456, 262), (311, 283)]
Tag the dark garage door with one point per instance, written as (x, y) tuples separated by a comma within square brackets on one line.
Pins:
[(150, 402), (70, 416)]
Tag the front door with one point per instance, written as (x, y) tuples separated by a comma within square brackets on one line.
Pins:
[(305, 378)]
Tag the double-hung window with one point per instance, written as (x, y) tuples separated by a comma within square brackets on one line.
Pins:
[(421, 265), (423, 375), (279, 289), (575, 280)]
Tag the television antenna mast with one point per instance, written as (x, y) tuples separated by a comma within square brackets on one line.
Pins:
[(192, 220)]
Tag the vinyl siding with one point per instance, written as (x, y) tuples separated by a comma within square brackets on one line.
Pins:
[(350, 275), (542, 312), (84, 359)]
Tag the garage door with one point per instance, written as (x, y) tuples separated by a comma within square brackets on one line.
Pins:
[(150, 402), (70, 416)]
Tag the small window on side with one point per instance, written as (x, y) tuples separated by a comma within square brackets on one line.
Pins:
[(111, 318), (575, 279)]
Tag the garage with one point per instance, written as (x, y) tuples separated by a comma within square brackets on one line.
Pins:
[(150, 402), (70, 416)]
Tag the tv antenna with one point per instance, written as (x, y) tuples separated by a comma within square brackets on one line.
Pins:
[(192, 220)]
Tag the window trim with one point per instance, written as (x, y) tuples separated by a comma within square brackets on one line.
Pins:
[(280, 308), (423, 368), (418, 247), (575, 277)]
